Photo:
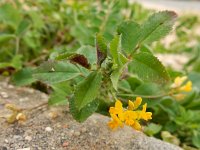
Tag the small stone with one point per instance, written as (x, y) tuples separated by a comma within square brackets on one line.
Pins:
[(48, 129), (28, 138), (90, 134), (65, 144), (6, 141), (24, 99), (28, 148), (4, 94), (83, 130), (10, 86), (16, 137), (77, 133), (53, 115)]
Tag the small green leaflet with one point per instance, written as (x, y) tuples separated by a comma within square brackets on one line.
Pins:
[(54, 72), (148, 68), (87, 90), (82, 114)]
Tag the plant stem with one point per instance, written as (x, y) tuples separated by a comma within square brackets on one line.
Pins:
[(143, 96), (17, 45)]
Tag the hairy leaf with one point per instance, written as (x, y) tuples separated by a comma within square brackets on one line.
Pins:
[(101, 49), (87, 90), (130, 35), (115, 48), (54, 72), (157, 26), (148, 68), (82, 114), (23, 77)]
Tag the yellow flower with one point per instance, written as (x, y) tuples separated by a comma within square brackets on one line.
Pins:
[(179, 81), (115, 122), (134, 105), (117, 110), (187, 87), (136, 125), (178, 84), (145, 115), (129, 116)]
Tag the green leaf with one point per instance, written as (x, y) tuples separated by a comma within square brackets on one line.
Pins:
[(152, 129), (87, 90), (130, 35), (148, 68), (196, 139), (36, 19), (115, 48), (157, 26), (60, 94), (5, 37), (23, 26), (101, 48), (134, 82), (54, 72), (10, 15), (82, 114), (23, 77), (57, 98), (115, 77)]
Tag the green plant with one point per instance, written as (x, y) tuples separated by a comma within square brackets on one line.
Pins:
[(121, 64)]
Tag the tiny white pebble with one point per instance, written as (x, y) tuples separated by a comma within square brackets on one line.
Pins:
[(28, 138), (90, 134), (48, 129), (28, 148), (10, 86), (6, 141), (4, 94), (77, 133)]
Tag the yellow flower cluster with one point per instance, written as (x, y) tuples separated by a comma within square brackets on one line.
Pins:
[(178, 84), (129, 116)]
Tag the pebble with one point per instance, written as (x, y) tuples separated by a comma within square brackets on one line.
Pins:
[(90, 134), (28, 138), (28, 148), (24, 99), (10, 86), (16, 137), (53, 115), (48, 129), (4, 94), (77, 133), (6, 141)]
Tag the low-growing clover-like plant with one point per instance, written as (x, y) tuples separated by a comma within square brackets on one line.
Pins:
[(95, 78)]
